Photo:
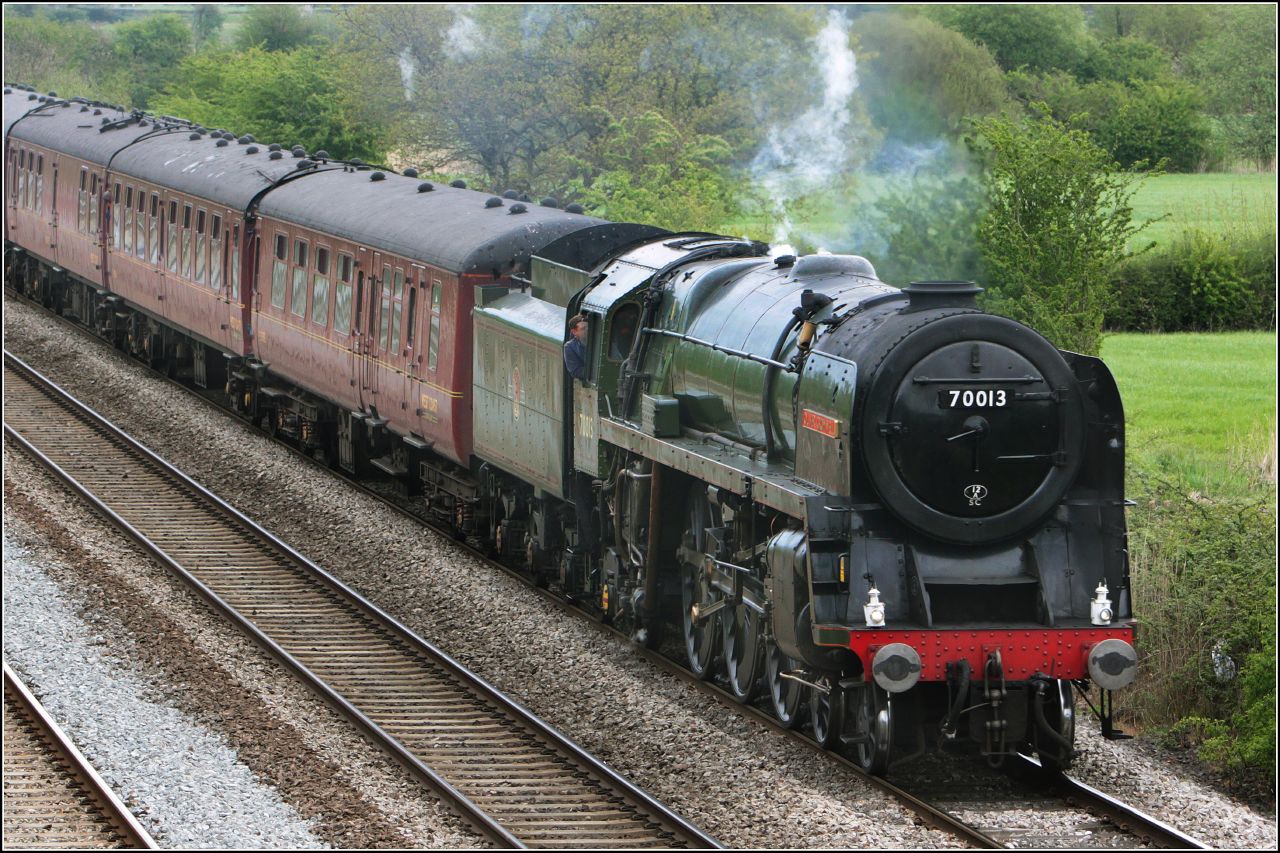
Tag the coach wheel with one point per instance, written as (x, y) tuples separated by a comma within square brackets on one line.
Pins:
[(873, 727), (784, 693), (826, 712), (743, 650), (701, 633)]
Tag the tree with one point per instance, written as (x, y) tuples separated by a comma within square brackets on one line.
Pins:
[(275, 26), (1058, 222), (1039, 37), (151, 49), (206, 23), (297, 97), (922, 80)]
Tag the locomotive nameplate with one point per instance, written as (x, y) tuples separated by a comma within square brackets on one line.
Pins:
[(986, 398), (819, 423)]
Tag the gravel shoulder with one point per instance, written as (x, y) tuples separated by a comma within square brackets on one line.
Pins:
[(743, 784)]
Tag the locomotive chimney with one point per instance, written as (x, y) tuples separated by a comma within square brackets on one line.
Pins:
[(942, 294)]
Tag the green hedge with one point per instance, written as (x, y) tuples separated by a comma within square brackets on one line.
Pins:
[(1200, 282)]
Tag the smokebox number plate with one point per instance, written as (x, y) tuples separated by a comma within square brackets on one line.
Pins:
[(987, 398)]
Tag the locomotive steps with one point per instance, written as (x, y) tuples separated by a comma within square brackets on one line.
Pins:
[(508, 773)]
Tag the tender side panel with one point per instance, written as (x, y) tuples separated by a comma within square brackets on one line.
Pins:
[(518, 383)]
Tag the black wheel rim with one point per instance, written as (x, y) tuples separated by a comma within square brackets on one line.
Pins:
[(826, 713), (873, 739), (784, 693), (702, 637), (743, 651)]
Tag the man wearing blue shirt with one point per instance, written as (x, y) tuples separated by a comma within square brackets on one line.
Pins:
[(575, 349)]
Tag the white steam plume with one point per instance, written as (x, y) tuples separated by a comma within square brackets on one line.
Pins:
[(806, 153), (407, 69), (465, 36)]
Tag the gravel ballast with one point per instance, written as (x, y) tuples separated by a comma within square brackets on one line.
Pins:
[(741, 783), (196, 793)]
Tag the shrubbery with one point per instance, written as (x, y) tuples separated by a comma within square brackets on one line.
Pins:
[(1204, 582), (1199, 282)]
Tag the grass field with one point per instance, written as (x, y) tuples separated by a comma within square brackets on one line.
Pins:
[(1199, 406), (1212, 202)]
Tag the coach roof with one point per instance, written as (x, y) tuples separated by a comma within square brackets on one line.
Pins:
[(90, 132), (455, 229)]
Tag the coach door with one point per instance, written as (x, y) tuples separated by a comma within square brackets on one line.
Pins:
[(369, 372)]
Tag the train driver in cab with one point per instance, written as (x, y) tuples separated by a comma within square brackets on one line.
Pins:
[(575, 349)]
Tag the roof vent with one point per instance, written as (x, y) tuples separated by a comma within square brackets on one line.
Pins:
[(425, 187), (84, 109), (97, 112), (298, 151), (53, 94), (525, 198), (493, 201), (193, 136), (549, 202), (252, 149), (322, 154), (942, 294), (411, 172), (356, 161), (377, 176), (8, 91), (141, 122), (275, 155), (275, 146), (511, 194), (518, 207), (66, 104), (250, 137), (574, 208), (784, 261), (31, 97), (222, 143), (306, 163), (459, 184), (244, 140)]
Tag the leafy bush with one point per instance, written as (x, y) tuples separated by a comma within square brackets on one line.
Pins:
[(1203, 575), (931, 223), (1057, 224), (1200, 282)]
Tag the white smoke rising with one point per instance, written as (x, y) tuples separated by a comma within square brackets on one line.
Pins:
[(803, 155), (464, 37)]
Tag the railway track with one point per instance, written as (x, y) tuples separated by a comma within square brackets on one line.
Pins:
[(511, 775), (1099, 820), (53, 798)]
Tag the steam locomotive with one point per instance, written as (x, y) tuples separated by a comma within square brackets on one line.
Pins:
[(882, 512)]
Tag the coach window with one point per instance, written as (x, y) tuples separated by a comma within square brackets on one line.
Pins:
[(30, 201), (141, 225), (171, 238), (320, 288), (82, 202), (397, 302), (356, 327), (384, 325), (156, 257), (433, 342), (411, 319), (40, 184), (115, 216), (93, 204), (235, 262), (186, 241), (126, 219), (216, 259), (200, 250), (298, 304), (342, 296), (279, 271)]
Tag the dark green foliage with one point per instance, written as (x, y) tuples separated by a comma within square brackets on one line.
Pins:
[(932, 221), (296, 97), (1204, 582), (1057, 224), (921, 80), (1199, 282), (152, 49), (1125, 60), (657, 175), (275, 26), (1157, 121), (1022, 35)]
